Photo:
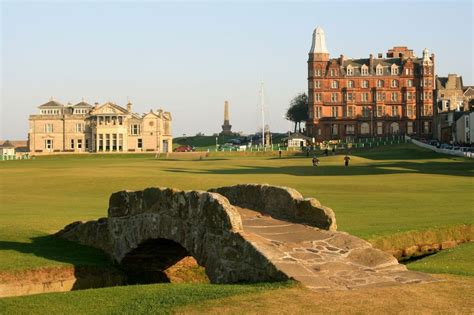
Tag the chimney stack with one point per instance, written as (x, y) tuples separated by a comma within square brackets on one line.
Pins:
[(129, 107), (96, 105)]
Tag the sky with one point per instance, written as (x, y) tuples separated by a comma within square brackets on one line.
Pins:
[(189, 57)]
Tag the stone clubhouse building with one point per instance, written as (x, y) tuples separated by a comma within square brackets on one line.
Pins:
[(369, 97), (99, 128)]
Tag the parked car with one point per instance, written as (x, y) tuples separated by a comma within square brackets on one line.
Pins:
[(444, 146), (433, 143), (184, 148)]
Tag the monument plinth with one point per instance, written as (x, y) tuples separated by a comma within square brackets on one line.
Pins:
[(226, 127)]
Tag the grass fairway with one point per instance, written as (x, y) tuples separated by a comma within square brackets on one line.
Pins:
[(383, 192)]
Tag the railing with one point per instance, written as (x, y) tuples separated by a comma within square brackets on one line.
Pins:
[(439, 150)]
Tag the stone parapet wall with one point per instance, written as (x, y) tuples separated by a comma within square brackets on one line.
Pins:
[(281, 203)]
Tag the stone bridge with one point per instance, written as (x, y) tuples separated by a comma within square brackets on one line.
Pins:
[(241, 233)]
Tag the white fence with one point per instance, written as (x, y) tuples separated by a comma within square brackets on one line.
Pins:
[(445, 151)]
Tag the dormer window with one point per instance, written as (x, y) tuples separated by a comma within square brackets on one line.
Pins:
[(350, 70), (317, 72), (394, 69), (364, 70), (379, 70)]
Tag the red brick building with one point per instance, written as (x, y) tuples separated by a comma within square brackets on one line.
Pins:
[(369, 97)]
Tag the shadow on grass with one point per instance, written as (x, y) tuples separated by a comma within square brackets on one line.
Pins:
[(92, 267), (435, 168)]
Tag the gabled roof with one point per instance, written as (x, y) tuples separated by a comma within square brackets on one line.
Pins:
[(109, 108), (82, 104), (469, 91), (7, 145), (51, 103), (297, 135)]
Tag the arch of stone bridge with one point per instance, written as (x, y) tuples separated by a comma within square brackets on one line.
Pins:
[(205, 224)]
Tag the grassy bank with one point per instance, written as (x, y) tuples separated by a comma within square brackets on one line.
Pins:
[(458, 260)]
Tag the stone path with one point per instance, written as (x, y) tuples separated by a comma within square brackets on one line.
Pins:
[(324, 260)]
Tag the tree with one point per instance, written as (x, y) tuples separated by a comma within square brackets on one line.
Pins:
[(298, 110)]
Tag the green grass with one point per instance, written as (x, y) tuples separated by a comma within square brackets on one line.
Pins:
[(385, 191), (457, 260), (140, 299)]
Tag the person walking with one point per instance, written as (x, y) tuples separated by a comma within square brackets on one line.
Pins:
[(279, 153), (326, 152), (346, 160), (315, 161), (334, 150)]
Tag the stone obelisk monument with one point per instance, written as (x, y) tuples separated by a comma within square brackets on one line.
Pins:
[(226, 127)]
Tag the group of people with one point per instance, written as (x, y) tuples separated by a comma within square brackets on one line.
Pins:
[(346, 160)]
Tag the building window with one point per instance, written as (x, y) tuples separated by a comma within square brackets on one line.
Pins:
[(394, 69), (120, 142), (349, 96), (426, 110), (334, 111), (394, 128), (394, 83), (135, 129), (364, 70), (365, 97), (139, 143), (317, 84), (364, 128), (79, 127), (318, 111), (333, 72), (380, 96), (409, 96), (365, 84), (334, 97), (48, 128), (365, 111), (427, 127), (334, 129), (350, 84), (409, 111), (410, 83), (350, 70), (394, 96), (317, 97), (379, 70), (410, 127), (87, 144), (107, 142), (394, 111), (48, 144), (380, 111), (379, 127), (379, 83), (72, 144), (350, 112), (317, 72), (101, 142), (350, 130), (79, 143), (114, 142), (334, 84)]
